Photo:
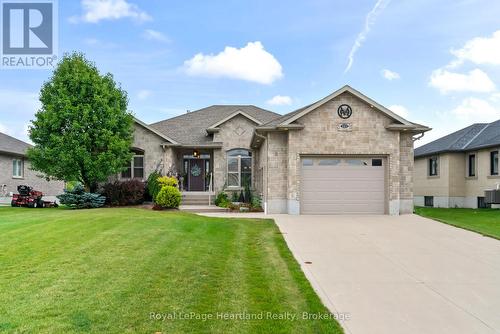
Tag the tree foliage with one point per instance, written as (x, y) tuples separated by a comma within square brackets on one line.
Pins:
[(83, 130)]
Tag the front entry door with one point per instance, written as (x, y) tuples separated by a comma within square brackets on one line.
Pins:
[(196, 175)]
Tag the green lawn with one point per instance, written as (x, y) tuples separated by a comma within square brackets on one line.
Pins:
[(484, 221), (107, 270)]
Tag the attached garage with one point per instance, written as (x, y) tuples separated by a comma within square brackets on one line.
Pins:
[(343, 185)]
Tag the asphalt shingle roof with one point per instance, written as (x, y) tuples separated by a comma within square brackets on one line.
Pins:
[(284, 118), (473, 137), (12, 145), (190, 128)]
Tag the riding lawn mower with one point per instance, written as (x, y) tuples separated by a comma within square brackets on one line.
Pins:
[(30, 198)]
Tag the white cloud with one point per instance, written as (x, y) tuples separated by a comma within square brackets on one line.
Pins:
[(479, 50), (389, 75), (475, 81), (16, 110), (144, 94), (153, 35), (470, 110), (474, 110), (251, 63), (280, 100), (98, 10), (400, 110), (4, 129), (369, 22)]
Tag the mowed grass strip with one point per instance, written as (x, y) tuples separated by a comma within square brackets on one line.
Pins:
[(108, 270), (483, 221)]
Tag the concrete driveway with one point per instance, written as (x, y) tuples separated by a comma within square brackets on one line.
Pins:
[(403, 274), (397, 274)]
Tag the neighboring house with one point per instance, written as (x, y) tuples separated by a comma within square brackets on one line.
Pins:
[(454, 171), (15, 170), (342, 154)]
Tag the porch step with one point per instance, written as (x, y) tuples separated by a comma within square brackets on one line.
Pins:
[(202, 208), (196, 199)]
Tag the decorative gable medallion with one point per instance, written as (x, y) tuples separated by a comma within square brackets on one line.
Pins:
[(344, 111), (239, 131)]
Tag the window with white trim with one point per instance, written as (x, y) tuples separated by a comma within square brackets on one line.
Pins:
[(17, 168), (135, 169), (239, 168)]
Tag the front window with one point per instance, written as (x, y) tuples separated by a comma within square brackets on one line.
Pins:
[(135, 169), (472, 165), (494, 162), (239, 168), (433, 166), (17, 168)]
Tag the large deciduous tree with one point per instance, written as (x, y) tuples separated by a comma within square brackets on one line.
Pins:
[(83, 130)]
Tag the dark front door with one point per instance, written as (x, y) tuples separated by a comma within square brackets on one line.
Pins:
[(196, 175)]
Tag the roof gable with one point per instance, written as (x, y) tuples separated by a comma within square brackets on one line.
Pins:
[(238, 112), (304, 111)]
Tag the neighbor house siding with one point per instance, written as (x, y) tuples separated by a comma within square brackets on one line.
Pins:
[(453, 187), (30, 178)]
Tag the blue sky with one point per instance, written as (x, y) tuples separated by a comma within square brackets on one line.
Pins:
[(435, 62)]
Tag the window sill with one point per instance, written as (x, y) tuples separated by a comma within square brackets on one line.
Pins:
[(234, 188), (471, 177), (493, 176), (18, 177), (433, 176)]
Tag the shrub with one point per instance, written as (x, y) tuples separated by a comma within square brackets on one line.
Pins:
[(153, 185), (256, 202), (168, 181), (77, 198), (169, 197), (234, 197), (122, 193), (222, 200)]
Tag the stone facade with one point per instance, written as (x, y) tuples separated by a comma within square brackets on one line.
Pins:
[(320, 136), (49, 188), (155, 156), (233, 134)]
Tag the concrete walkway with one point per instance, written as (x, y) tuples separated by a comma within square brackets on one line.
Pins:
[(403, 274)]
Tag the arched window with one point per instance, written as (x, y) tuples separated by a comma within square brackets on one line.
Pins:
[(135, 168), (239, 168)]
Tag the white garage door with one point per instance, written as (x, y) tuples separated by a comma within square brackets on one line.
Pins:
[(342, 185)]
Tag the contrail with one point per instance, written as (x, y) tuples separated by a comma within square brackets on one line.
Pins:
[(369, 21)]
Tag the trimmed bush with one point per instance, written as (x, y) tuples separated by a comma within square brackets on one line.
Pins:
[(153, 185), (168, 181), (122, 193), (77, 198), (169, 197), (222, 200)]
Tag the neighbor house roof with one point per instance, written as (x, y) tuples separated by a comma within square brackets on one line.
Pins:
[(473, 137), (12, 145), (288, 119), (191, 128)]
